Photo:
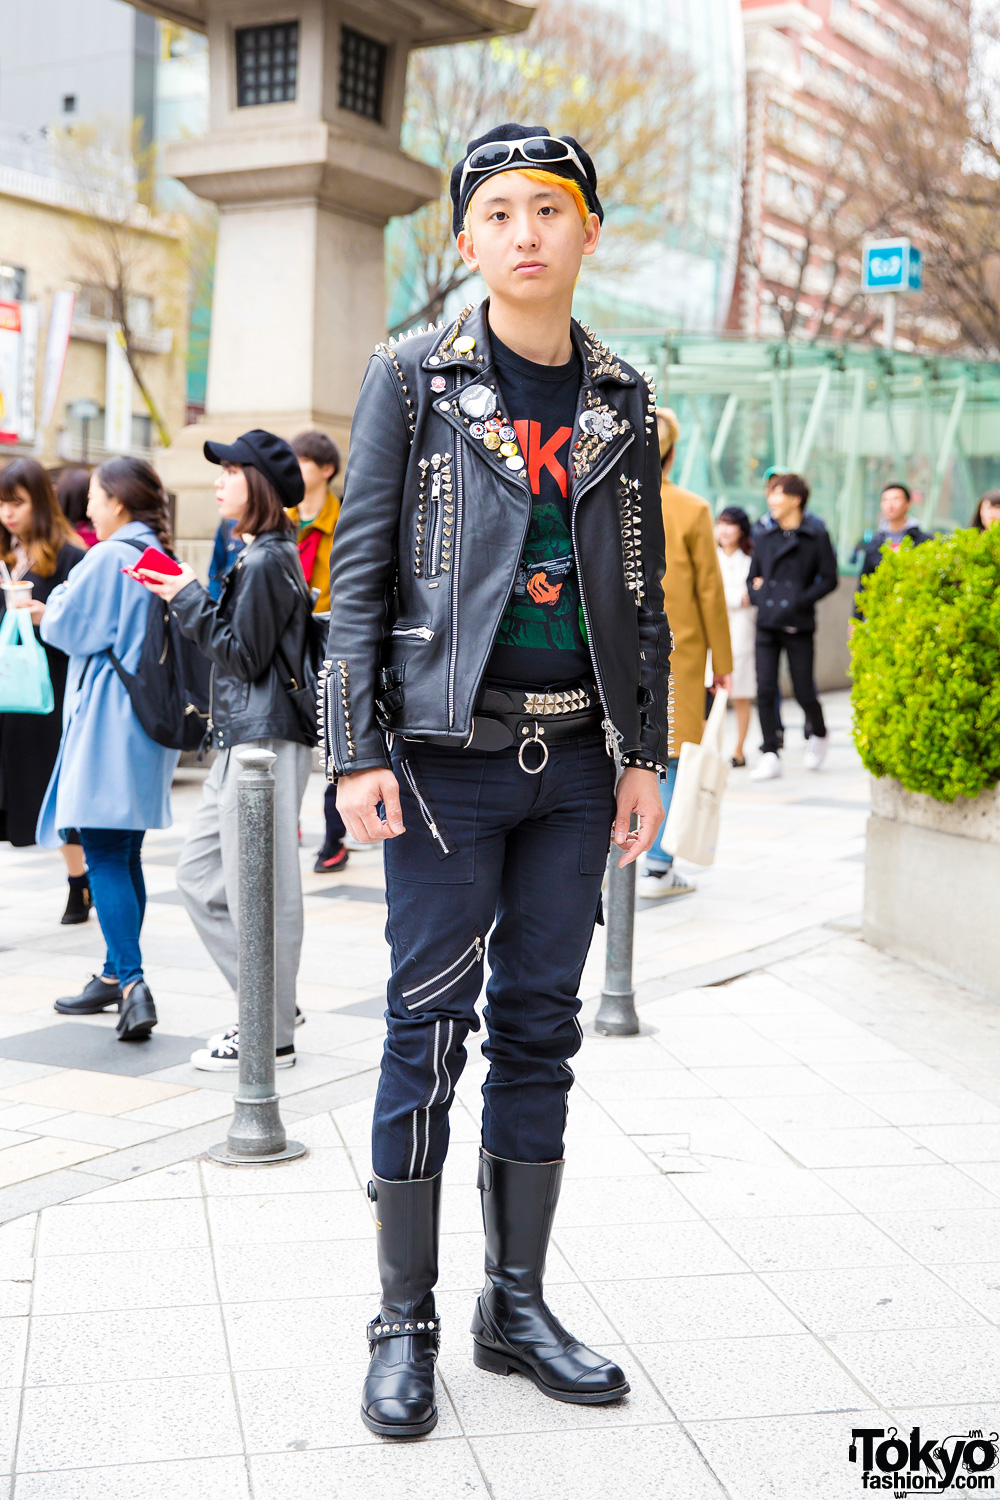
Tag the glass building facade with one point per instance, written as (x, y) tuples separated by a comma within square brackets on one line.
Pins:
[(849, 418)]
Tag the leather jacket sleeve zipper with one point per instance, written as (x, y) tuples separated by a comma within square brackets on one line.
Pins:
[(613, 737), (456, 560)]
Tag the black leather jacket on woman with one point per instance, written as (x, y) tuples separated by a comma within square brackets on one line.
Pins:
[(429, 541), (264, 602)]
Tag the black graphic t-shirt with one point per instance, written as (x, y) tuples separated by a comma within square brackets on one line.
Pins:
[(541, 639)]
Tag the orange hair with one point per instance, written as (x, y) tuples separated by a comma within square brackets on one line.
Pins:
[(550, 179)]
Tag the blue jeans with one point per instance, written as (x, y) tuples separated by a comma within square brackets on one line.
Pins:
[(119, 891), (485, 843), (657, 857)]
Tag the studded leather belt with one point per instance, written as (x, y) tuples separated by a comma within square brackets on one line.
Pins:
[(529, 718)]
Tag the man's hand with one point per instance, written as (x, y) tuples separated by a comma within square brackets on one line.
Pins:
[(723, 680), (638, 792), (358, 796)]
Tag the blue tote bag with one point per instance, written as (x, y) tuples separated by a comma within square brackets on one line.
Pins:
[(25, 684)]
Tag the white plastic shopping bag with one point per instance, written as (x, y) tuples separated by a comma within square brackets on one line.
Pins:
[(693, 820)]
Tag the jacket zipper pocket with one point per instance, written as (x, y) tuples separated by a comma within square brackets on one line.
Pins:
[(434, 519), (444, 845), (419, 632), (468, 960)]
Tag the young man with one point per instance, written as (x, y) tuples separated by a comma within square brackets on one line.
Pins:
[(793, 567), (497, 632), (894, 505)]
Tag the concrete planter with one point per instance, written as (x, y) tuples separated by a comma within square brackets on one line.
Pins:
[(932, 870)]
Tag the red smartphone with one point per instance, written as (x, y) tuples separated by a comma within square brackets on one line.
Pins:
[(155, 560)]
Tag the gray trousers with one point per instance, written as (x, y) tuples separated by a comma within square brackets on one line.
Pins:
[(208, 869)]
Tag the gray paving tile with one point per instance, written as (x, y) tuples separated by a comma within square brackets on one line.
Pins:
[(323, 1169), (815, 1243), (271, 1335), (631, 1252), (13, 1337), (754, 1377), (782, 1458), (151, 1344), (383, 1472), (609, 1200), (905, 1189), (76, 1229), (790, 1078), (693, 1307), (179, 1180), (830, 1111), (10, 1406), (978, 1142), (883, 1077), (933, 1107), (102, 1130), (289, 1217), (622, 1464), (77, 1044), (943, 1235), (880, 1146), (872, 1299), (317, 1406), (123, 1281), (978, 1283), (931, 1365), (732, 1191), (73, 1426), (217, 1478)]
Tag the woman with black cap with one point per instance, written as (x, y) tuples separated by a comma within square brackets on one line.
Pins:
[(255, 636)]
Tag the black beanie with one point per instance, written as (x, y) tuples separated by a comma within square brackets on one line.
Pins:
[(585, 180)]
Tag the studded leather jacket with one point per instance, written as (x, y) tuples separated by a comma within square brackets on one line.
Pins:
[(429, 542)]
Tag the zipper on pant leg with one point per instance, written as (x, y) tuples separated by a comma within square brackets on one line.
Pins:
[(444, 844), (450, 976)]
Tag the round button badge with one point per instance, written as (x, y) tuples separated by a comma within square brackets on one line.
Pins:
[(492, 440), (515, 462), (477, 430), (509, 450)]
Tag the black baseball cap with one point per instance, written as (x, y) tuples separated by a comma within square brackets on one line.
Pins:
[(268, 453), (562, 155)]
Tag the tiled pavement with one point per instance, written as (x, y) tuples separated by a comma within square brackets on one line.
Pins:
[(781, 1210)]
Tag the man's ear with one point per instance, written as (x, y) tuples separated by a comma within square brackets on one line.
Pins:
[(467, 250), (591, 234)]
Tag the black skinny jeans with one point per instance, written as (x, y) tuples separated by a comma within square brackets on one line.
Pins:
[(799, 647)]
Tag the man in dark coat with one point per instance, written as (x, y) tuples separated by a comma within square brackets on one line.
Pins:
[(793, 567)]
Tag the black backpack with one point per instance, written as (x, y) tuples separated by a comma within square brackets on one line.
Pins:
[(169, 692), (303, 687)]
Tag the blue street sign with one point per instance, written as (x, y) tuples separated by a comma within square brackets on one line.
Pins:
[(890, 266)]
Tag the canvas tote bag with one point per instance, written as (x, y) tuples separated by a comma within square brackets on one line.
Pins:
[(693, 820), (25, 684)]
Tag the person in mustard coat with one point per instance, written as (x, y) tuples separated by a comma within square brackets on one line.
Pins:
[(695, 600)]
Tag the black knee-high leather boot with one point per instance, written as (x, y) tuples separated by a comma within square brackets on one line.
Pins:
[(512, 1327), (398, 1398)]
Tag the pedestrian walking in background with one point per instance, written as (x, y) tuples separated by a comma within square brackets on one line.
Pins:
[(41, 548), (792, 568), (987, 512), (110, 781), (695, 602), (226, 549), (73, 494), (894, 508), (315, 520), (255, 636), (735, 548), (488, 663)]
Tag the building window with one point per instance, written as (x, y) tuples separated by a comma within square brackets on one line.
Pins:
[(362, 73), (94, 302), (13, 283), (69, 104), (782, 119), (267, 61)]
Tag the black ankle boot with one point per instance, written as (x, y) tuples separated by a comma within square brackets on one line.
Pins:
[(398, 1396), (92, 999), (78, 903), (137, 1014), (512, 1327)]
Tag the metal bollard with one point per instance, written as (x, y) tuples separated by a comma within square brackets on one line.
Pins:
[(616, 1015), (256, 1133)]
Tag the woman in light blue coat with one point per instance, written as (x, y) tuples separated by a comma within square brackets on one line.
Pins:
[(111, 781)]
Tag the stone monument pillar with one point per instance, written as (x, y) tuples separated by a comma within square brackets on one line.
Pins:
[(303, 158)]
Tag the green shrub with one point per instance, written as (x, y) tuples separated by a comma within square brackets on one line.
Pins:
[(926, 666)]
